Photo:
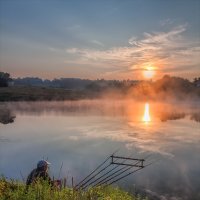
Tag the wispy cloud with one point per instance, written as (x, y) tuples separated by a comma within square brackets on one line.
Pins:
[(165, 50), (55, 50), (167, 21), (97, 43)]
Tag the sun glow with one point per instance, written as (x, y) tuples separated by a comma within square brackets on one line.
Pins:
[(146, 117), (149, 72)]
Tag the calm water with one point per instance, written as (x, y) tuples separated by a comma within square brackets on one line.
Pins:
[(82, 134)]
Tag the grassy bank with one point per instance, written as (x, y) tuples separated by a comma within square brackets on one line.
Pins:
[(29, 93), (142, 92), (14, 190)]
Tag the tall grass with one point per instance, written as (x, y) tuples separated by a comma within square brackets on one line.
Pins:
[(41, 190)]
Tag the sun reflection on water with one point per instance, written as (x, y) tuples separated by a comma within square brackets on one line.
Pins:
[(146, 117)]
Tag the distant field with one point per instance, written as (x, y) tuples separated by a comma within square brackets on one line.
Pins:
[(29, 93)]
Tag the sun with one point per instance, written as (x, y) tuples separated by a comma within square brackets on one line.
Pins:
[(149, 72)]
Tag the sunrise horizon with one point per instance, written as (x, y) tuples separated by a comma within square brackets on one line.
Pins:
[(61, 39)]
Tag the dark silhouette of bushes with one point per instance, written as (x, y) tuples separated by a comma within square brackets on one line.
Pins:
[(4, 79)]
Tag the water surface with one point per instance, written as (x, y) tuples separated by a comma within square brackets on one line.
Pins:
[(81, 134)]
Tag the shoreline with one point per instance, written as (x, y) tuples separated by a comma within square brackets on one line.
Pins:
[(36, 93)]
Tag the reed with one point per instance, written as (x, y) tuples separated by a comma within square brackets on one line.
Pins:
[(41, 190)]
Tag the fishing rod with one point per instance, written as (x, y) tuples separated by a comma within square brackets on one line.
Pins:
[(98, 183), (105, 173), (132, 172), (118, 165), (81, 182), (123, 177), (94, 176), (122, 170), (111, 175), (127, 166)]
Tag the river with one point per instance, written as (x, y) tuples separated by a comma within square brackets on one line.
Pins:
[(79, 135)]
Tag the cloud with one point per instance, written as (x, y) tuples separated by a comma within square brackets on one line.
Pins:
[(52, 49), (97, 43), (167, 21), (165, 50), (132, 40)]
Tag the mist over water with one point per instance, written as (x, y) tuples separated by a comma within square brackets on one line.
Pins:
[(81, 134)]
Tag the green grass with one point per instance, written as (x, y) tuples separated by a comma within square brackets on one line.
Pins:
[(15, 190), (29, 93)]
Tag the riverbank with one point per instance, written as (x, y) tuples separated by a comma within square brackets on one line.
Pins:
[(30, 93), (151, 91), (14, 190)]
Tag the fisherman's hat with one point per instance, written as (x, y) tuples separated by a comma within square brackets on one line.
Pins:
[(42, 163)]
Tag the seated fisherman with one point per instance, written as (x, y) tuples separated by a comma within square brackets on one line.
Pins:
[(41, 172)]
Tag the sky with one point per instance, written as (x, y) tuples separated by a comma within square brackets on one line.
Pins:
[(110, 39)]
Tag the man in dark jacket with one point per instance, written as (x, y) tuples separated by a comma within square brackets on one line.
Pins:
[(41, 172)]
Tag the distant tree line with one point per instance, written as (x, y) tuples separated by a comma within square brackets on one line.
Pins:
[(67, 83), (197, 82), (167, 88), (163, 88), (164, 83), (74, 83), (4, 79)]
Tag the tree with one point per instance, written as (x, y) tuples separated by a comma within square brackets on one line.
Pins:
[(4, 79), (196, 81)]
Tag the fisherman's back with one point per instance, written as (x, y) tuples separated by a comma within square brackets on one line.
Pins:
[(36, 175)]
